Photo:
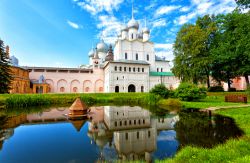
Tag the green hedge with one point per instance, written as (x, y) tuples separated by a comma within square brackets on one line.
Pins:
[(27, 100)]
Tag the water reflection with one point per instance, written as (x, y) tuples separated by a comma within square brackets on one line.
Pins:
[(109, 133), (198, 129), (133, 129)]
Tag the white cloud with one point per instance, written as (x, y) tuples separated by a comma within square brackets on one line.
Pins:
[(96, 6), (185, 9), (185, 18), (164, 46), (73, 25), (159, 23), (164, 50), (109, 28), (203, 7), (165, 10)]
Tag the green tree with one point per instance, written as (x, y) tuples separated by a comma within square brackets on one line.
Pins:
[(243, 3), (231, 48), (5, 72), (242, 38), (192, 50)]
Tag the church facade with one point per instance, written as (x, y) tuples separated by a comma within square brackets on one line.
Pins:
[(131, 65)]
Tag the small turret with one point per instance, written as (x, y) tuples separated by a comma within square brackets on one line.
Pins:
[(8, 51), (133, 27), (96, 60), (145, 32), (110, 55)]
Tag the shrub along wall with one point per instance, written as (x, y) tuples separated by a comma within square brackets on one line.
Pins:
[(15, 101)]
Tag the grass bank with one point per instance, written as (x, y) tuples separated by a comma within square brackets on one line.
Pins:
[(28, 100), (214, 99), (234, 150)]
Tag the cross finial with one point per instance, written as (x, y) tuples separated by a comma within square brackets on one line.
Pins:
[(132, 9)]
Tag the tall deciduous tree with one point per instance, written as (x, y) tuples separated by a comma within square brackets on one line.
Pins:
[(242, 49), (231, 50), (5, 72), (192, 50)]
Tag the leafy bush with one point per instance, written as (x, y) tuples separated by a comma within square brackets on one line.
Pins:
[(190, 92), (161, 90), (232, 90), (216, 89), (170, 102)]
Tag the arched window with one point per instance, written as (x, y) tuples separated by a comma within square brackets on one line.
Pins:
[(138, 69), (129, 69), (161, 69), (142, 89), (62, 89), (120, 68), (117, 89), (87, 89), (115, 68), (126, 55), (136, 56), (132, 36), (134, 69), (147, 57), (125, 69), (142, 70), (75, 89), (157, 69)]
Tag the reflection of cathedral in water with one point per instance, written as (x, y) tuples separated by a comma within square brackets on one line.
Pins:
[(134, 130), (126, 133)]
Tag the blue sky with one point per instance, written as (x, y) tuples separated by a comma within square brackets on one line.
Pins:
[(61, 32)]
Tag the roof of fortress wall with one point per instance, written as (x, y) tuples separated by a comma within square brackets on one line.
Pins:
[(57, 68), (161, 74)]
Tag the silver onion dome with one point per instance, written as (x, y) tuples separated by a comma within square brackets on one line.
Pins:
[(124, 28), (133, 24), (145, 30), (102, 47)]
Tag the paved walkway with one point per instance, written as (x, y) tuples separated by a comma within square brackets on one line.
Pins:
[(225, 107)]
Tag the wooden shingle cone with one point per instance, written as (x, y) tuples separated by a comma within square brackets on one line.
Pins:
[(78, 107)]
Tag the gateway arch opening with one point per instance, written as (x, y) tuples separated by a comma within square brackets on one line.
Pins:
[(131, 88)]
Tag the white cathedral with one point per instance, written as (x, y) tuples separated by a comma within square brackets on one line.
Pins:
[(130, 66)]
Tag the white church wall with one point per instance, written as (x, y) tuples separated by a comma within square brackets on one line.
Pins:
[(123, 79)]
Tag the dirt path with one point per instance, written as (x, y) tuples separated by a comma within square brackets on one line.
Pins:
[(225, 107)]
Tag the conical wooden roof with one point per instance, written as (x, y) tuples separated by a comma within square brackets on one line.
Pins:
[(78, 105), (78, 124)]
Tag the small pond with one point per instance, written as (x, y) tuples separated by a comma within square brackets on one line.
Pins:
[(109, 133)]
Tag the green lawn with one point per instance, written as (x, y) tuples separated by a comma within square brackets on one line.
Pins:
[(234, 150), (209, 101)]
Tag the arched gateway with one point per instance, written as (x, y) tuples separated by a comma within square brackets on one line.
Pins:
[(131, 88)]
